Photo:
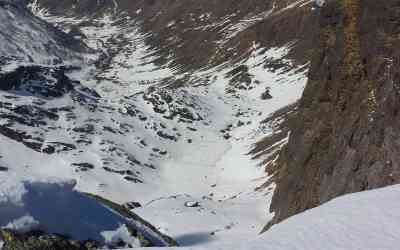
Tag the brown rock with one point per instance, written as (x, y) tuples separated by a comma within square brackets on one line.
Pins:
[(346, 136)]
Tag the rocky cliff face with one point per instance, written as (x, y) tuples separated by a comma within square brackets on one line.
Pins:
[(346, 135)]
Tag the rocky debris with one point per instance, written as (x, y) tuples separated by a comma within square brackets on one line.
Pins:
[(133, 179), (128, 175), (151, 166), (240, 78), (192, 204), (227, 136), (42, 241), (34, 113), (28, 115), (33, 142), (274, 65), (109, 129), (23, 137), (266, 95), (32, 41), (173, 103), (22, 119), (345, 137), (85, 129), (121, 172), (83, 167), (27, 121), (166, 136), (132, 205), (133, 160), (37, 81), (57, 147)]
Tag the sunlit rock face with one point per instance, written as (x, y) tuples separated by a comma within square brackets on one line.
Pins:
[(345, 138)]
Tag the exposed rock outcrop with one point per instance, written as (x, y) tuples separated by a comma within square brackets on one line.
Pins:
[(193, 34), (346, 136), (46, 46), (41, 241)]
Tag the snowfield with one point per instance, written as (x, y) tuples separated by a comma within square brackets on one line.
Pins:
[(362, 221), (120, 145)]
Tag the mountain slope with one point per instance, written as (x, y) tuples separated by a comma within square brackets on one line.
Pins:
[(345, 136), (126, 125), (187, 112), (45, 45), (191, 35), (366, 220)]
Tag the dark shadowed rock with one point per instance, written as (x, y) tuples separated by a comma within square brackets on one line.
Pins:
[(37, 80), (132, 205)]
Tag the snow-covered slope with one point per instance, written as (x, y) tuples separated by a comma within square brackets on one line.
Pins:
[(102, 102), (366, 221), (28, 39), (130, 130)]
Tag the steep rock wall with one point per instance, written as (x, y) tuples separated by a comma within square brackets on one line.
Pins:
[(346, 135)]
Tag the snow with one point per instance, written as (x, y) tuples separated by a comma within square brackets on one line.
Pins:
[(320, 3), (296, 4), (367, 220), (122, 233), (211, 170), (218, 173), (233, 30), (24, 224), (192, 204), (201, 193), (27, 40)]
